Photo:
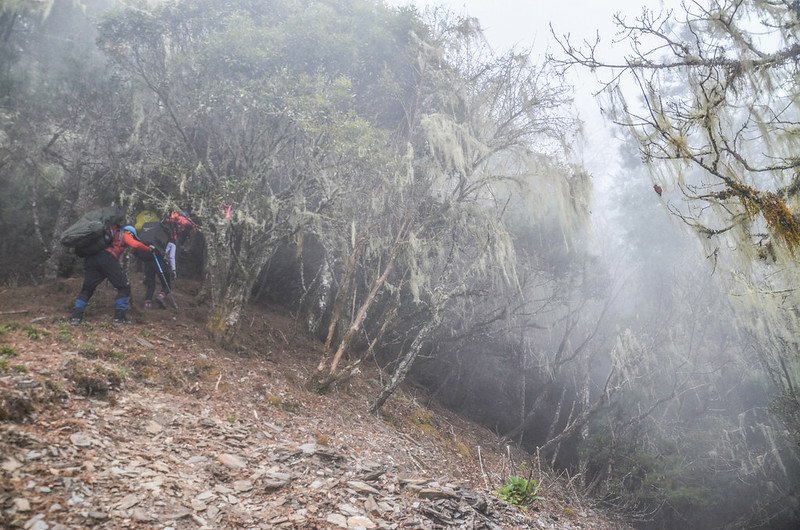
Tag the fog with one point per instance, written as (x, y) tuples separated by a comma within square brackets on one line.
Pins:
[(597, 263)]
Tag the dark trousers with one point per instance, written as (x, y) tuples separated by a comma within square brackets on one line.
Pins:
[(99, 267), (150, 273)]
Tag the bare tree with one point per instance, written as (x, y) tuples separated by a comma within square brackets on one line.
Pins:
[(710, 93)]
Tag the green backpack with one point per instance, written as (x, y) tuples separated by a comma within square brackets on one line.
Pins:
[(92, 232)]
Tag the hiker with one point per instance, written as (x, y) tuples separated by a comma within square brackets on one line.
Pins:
[(156, 235), (104, 265), (180, 227)]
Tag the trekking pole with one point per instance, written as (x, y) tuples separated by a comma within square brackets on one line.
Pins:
[(164, 282)]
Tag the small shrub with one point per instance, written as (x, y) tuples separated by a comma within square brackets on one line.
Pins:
[(7, 351), (20, 368), (274, 400), (518, 491), (144, 367), (88, 350), (35, 332), (462, 449), (15, 407), (424, 420), (93, 379), (322, 439), (203, 369), (115, 355), (63, 335), (57, 390), (6, 328), (3, 364)]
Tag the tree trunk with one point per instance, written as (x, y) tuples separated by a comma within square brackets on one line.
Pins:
[(231, 277), (225, 318), (523, 390), (573, 427), (362, 314), (358, 320), (229, 296), (557, 416), (341, 295), (408, 360), (37, 225), (527, 417)]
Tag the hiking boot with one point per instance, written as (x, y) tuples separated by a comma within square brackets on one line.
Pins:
[(148, 304), (160, 300), (76, 317), (120, 317)]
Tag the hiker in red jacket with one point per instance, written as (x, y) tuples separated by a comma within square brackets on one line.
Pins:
[(105, 265), (180, 227)]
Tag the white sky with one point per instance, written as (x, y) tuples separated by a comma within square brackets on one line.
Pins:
[(525, 22)]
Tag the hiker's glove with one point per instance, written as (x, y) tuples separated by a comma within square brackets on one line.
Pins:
[(155, 250)]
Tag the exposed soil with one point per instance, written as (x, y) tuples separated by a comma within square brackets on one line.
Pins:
[(152, 425)]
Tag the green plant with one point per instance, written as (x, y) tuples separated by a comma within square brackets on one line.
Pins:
[(5, 328), (88, 350), (7, 351), (518, 491), (115, 355), (232, 418), (3, 364), (36, 333), (63, 334), (20, 368)]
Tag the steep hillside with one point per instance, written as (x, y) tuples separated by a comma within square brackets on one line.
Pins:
[(154, 426)]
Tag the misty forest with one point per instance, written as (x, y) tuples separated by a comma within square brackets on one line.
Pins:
[(411, 196)]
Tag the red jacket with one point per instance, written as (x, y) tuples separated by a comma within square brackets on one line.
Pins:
[(177, 223), (124, 239)]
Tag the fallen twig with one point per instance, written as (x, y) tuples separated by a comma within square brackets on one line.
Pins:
[(483, 472), (15, 312), (283, 336), (416, 461)]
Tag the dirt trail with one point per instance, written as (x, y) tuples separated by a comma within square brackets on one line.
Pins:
[(154, 426)]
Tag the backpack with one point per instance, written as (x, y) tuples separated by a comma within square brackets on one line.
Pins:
[(152, 233), (92, 233), (145, 216)]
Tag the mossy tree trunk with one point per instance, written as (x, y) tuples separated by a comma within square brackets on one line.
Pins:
[(234, 262)]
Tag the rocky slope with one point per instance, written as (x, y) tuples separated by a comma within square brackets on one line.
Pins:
[(153, 426)]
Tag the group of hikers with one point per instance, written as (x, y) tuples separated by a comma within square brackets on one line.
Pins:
[(101, 237)]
